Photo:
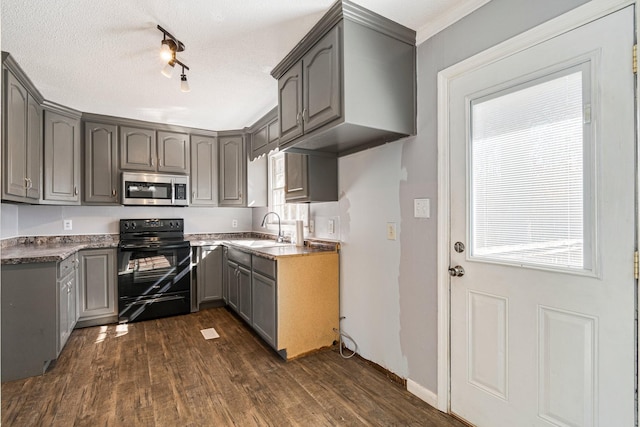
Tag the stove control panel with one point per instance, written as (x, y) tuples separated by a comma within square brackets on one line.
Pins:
[(153, 224)]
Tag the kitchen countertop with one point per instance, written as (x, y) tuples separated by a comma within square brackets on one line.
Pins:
[(57, 248), (47, 252)]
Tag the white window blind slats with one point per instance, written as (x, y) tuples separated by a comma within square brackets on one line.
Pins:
[(527, 174)]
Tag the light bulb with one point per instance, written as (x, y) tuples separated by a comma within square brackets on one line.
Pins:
[(167, 71), (165, 51), (184, 84)]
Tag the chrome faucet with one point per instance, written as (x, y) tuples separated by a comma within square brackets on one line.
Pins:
[(280, 238)]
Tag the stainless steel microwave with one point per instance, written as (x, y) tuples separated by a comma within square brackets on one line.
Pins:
[(154, 189)]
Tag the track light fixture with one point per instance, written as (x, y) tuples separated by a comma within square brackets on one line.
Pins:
[(168, 49)]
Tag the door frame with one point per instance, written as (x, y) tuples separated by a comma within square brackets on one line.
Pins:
[(579, 16)]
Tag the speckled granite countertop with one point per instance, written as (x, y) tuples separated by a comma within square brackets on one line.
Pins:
[(24, 250)]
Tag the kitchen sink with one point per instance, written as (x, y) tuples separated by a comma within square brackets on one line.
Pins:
[(258, 243)]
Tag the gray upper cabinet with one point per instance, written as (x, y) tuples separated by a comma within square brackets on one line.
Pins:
[(137, 149), (349, 84), (322, 92), (264, 135), (204, 171), (22, 143), (100, 163), (233, 162), (173, 152), (290, 104), (311, 178), (61, 158)]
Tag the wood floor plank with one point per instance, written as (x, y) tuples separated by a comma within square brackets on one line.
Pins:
[(164, 373)]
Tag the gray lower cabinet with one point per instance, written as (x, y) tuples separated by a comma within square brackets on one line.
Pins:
[(100, 163), (238, 277), (61, 159), (204, 171), (263, 298), (311, 178), (22, 143), (209, 274), (97, 286), (38, 311), (231, 283), (233, 162), (244, 293)]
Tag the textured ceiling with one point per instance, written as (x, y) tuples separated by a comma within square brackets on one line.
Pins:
[(102, 56)]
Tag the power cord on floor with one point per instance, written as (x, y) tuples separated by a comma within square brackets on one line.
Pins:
[(342, 336)]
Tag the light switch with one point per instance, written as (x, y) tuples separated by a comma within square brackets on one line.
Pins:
[(332, 226), (421, 208), (391, 231)]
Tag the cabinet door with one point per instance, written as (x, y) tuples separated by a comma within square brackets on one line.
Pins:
[(322, 91), (274, 133), (204, 171), (63, 314), (231, 274), (259, 140), (34, 149), (173, 152), (296, 177), (97, 284), (15, 175), (210, 274), (61, 158), (232, 171), (244, 293), (264, 307), (290, 104), (137, 149), (100, 163), (72, 290)]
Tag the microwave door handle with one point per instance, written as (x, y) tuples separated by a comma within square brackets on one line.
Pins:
[(173, 191)]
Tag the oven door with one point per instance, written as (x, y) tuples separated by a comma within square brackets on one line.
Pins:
[(153, 281)]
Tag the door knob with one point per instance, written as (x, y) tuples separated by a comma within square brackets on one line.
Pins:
[(456, 271)]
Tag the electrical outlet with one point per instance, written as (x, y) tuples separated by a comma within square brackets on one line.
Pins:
[(391, 231), (421, 208), (67, 225), (312, 226), (234, 223), (332, 226)]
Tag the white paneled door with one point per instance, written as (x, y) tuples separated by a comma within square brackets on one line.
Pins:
[(542, 172)]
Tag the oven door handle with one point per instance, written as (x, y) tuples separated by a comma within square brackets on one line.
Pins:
[(158, 299), (153, 248)]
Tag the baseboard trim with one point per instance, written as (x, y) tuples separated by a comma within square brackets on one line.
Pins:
[(422, 393)]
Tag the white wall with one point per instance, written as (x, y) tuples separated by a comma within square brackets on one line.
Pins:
[(28, 220)]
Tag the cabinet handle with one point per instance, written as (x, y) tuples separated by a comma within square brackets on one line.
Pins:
[(193, 194), (75, 191), (298, 118), (26, 183), (305, 113), (153, 163), (114, 192)]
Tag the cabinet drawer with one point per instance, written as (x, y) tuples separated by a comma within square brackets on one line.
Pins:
[(239, 257), (264, 266), (66, 266)]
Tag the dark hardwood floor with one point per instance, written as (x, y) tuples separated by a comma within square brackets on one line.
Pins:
[(164, 373)]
